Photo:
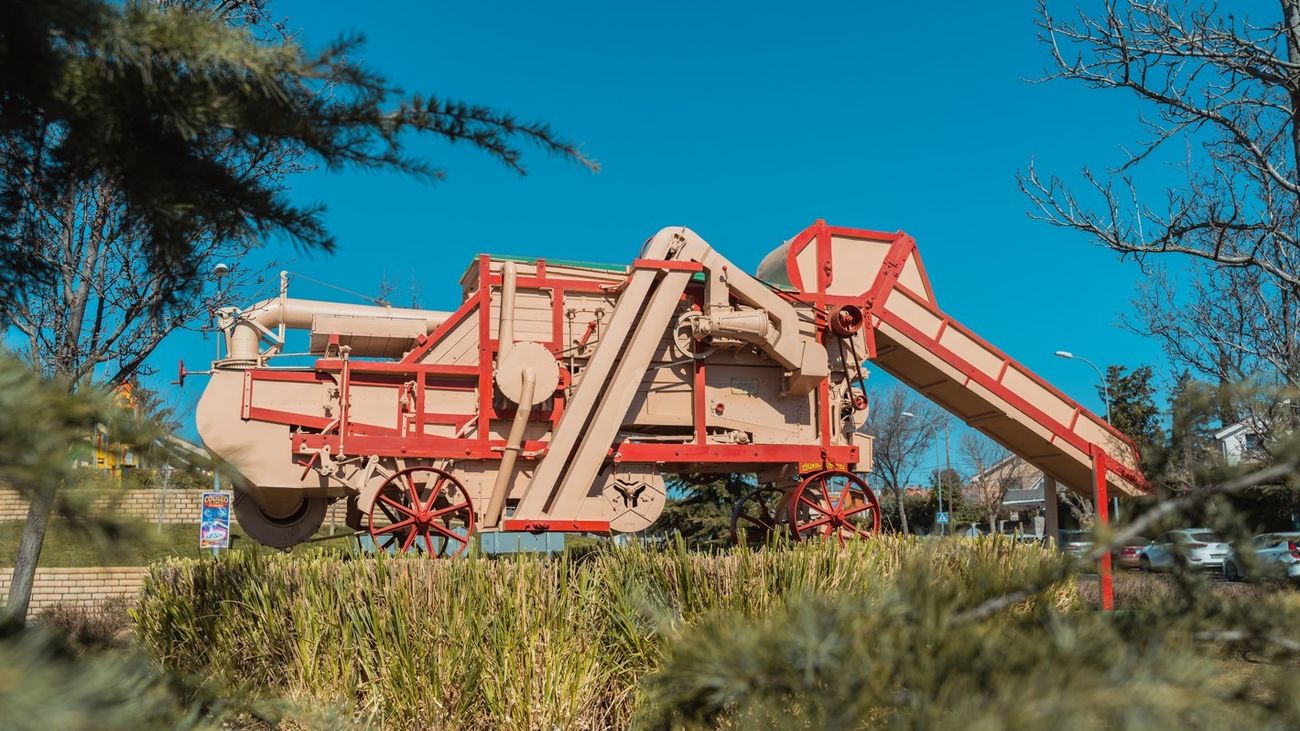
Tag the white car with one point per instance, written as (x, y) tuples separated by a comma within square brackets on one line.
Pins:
[(1277, 555), (1194, 547)]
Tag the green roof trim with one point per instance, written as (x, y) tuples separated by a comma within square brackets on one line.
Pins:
[(603, 266)]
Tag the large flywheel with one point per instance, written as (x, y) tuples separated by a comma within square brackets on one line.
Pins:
[(834, 505)]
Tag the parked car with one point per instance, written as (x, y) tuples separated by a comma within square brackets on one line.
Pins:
[(1195, 547), (1277, 555), (1128, 555), (1075, 542)]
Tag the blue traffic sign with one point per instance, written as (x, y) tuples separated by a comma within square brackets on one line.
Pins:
[(941, 518)]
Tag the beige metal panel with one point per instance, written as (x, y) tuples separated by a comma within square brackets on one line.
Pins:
[(1035, 393), (257, 450), (281, 396), (533, 316), (375, 405), (663, 398), (581, 310), (751, 401), (478, 478), (372, 337), (856, 264), (911, 276), (536, 431), (866, 456), (806, 262), (437, 401), (458, 347)]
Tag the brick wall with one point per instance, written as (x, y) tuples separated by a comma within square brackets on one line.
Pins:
[(85, 587), (179, 506)]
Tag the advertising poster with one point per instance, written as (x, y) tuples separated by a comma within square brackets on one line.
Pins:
[(214, 520)]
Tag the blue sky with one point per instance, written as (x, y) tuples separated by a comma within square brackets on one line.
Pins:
[(745, 122)]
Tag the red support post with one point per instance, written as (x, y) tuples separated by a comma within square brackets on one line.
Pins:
[(1105, 581)]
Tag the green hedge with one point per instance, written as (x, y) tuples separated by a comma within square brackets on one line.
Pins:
[(515, 643)]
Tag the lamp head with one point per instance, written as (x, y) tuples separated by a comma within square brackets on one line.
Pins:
[(1064, 354)]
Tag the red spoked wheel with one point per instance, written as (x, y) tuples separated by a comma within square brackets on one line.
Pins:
[(754, 517), (834, 504), (421, 509)]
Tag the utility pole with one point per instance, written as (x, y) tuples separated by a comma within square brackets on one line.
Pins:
[(947, 462), (947, 467)]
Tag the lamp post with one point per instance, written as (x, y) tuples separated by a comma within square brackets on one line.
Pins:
[(1105, 394), (1101, 378), (947, 458)]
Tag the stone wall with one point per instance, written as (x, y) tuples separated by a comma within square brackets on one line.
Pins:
[(83, 587), (178, 506)]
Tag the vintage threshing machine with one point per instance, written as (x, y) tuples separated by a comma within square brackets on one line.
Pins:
[(561, 395)]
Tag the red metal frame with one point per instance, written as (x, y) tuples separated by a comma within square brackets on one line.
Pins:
[(565, 526), (362, 438), (1105, 580), (903, 247), (412, 439)]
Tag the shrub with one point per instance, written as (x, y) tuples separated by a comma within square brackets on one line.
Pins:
[(522, 642)]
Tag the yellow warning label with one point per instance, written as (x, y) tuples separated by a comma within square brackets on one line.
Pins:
[(806, 467)]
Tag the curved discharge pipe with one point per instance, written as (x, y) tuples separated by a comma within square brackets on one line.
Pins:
[(506, 326), (514, 443), (245, 337)]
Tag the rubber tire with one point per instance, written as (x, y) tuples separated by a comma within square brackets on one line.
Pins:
[(1144, 565), (280, 532), (1230, 571)]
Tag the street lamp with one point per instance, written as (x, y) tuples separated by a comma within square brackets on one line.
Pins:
[(947, 458), (1105, 394), (1105, 388)]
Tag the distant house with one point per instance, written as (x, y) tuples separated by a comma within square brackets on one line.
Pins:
[(1240, 442), (1022, 504)]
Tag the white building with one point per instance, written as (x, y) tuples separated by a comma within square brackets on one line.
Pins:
[(1237, 442)]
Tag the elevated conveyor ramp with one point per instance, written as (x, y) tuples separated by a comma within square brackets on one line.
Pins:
[(912, 339)]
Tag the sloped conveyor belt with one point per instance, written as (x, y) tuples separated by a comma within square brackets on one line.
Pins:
[(926, 349)]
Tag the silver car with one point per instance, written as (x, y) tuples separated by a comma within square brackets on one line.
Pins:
[(1074, 542), (1194, 547), (1277, 555)]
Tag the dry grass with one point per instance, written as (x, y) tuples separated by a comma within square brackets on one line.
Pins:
[(1135, 590), (517, 643), (104, 625)]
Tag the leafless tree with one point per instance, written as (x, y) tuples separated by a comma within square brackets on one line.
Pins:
[(1237, 329), (105, 312), (114, 257), (995, 471), (904, 427), (1219, 93)]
